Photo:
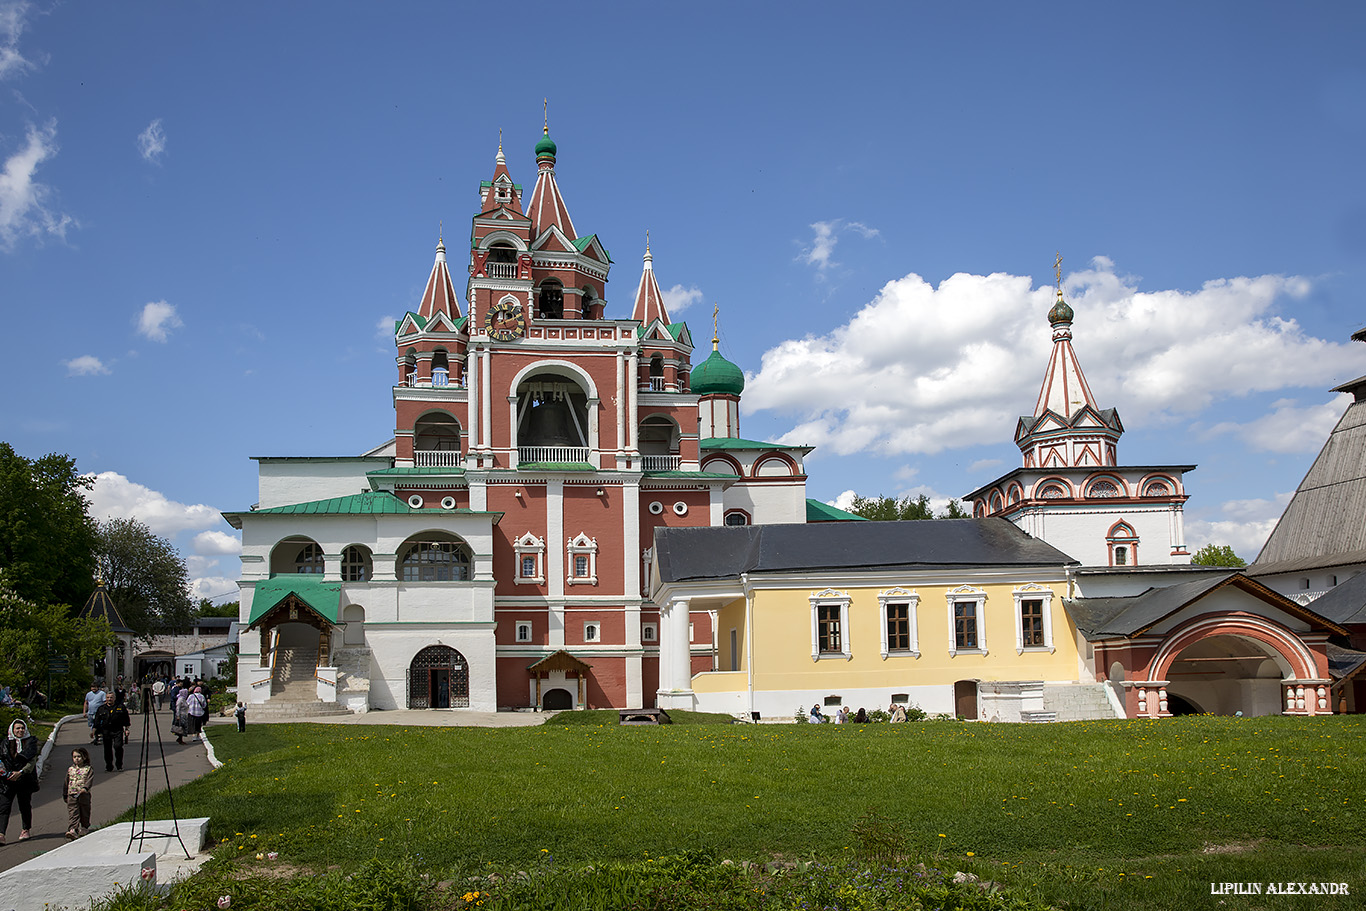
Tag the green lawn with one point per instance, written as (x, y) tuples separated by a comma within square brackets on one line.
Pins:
[(1117, 814)]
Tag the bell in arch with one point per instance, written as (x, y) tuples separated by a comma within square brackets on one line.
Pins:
[(550, 424)]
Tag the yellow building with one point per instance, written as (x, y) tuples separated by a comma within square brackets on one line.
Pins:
[(961, 616)]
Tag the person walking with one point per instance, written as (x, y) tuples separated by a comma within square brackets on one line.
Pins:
[(76, 793), (198, 707), (112, 723), (159, 691), (18, 777), (241, 714), (93, 700), (180, 721)]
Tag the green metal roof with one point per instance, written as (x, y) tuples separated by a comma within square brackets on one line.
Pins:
[(675, 330), (410, 471), (717, 375), (816, 511), (485, 184), (698, 475), (737, 443), (370, 503), (323, 597), (582, 243), (417, 318)]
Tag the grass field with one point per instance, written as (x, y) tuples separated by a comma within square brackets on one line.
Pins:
[(1115, 814)]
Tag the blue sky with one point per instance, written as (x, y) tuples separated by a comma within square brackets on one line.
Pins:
[(208, 212)]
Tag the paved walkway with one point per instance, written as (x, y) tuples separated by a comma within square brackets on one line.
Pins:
[(113, 792)]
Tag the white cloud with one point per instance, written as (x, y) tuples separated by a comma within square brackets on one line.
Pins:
[(157, 319), (678, 298), (24, 202), (843, 501), (13, 16), (217, 542), (116, 497), (825, 234), (85, 365), (215, 588), (384, 329), (1288, 427), (984, 465), (1243, 525), (152, 142), (921, 369)]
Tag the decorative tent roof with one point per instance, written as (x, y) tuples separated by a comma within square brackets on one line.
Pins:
[(649, 301), (559, 660), (101, 607), (547, 206), (323, 598), (440, 295)]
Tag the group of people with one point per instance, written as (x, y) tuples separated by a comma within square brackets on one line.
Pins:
[(19, 780), (841, 716), (22, 697)]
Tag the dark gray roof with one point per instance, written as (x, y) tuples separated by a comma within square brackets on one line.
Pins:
[(1345, 603), (1109, 618), (1344, 662), (1322, 526), (101, 606), (686, 554)]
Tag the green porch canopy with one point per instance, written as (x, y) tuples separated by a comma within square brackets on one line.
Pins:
[(324, 598)]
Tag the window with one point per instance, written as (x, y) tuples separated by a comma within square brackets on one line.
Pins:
[(649, 633), (967, 621), (552, 300), (1121, 556), (829, 625), (591, 630), (898, 609), (530, 559), (1033, 620), (583, 560), (965, 625), (736, 517), (435, 561), (523, 630), (356, 566), (309, 560)]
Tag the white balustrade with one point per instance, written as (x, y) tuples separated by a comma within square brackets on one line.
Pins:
[(552, 454), (500, 270), (436, 458), (660, 462)]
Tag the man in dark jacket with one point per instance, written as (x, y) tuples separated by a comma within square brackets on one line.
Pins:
[(111, 721)]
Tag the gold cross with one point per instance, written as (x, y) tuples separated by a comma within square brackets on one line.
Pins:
[(1057, 270)]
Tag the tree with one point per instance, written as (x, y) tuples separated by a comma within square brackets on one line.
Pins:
[(1217, 555), (31, 633), (207, 608), (145, 577), (890, 509), (46, 538)]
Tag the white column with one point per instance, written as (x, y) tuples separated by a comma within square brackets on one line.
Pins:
[(630, 534), (472, 385), (675, 678), (632, 399), (512, 431), (620, 443), (554, 558), (665, 625), (486, 401), (594, 453)]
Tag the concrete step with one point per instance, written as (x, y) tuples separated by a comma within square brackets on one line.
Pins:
[(276, 709)]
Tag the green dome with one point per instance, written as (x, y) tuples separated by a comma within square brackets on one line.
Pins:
[(1061, 312), (717, 375), (546, 146)]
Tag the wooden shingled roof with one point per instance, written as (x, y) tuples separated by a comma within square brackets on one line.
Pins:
[(559, 661), (101, 607), (1322, 526)]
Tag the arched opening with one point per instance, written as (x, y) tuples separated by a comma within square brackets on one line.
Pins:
[(552, 419), (297, 554), (657, 373), (435, 556), (557, 700), (590, 305), (1227, 674), (357, 565), (441, 368), (438, 678), (409, 373), (550, 300), (353, 615), (659, 440), (436, 441), (500, 251)]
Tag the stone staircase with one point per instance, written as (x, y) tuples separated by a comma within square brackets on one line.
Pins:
[(1077, 701), (294, 690)]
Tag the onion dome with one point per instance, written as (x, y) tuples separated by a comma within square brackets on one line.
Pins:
[(717, 376), (1061, 312), (546, 147)]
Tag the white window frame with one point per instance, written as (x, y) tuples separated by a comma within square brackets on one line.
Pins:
[(517, 631), (596, 626), (528, 545), (829, 598), (579, 546), (653, 638), (966, 593), (912, 602), (1032, 591)]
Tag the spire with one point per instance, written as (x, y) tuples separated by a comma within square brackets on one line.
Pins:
[(440, 295), (547, 205), (500, 191), (649, 301), (1064, 389)]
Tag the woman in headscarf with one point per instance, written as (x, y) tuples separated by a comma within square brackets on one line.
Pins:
[(180, 723), (18, 777), (198, 707)]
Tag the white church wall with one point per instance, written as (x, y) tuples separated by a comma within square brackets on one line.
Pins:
[(1081, 532), (769, 503), (287, 481)]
